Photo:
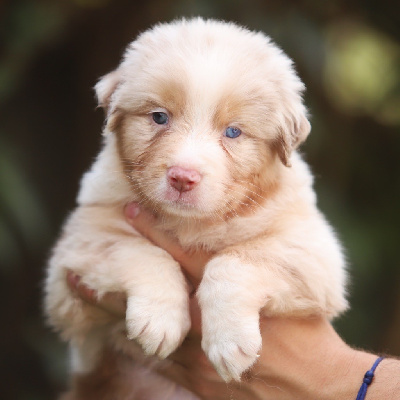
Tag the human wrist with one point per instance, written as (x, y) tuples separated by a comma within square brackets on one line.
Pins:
[(386, 381), (306, 359), (351, 368)]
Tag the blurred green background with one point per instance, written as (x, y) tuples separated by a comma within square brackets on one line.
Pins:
[(52, 52)]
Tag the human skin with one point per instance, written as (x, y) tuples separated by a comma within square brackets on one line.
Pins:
[(301, 359)]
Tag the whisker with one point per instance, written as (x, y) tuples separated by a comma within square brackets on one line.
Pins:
[(249, 190), (246, 196)]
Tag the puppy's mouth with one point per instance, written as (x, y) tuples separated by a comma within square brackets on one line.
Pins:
[(182, 191), (181, 198), (178, 202)]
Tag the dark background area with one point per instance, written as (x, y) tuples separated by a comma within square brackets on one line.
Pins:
[(52, 53)]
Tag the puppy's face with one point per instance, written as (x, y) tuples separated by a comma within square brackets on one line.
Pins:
[(206, 114)]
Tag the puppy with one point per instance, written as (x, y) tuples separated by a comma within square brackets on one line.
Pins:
[(203, 122)]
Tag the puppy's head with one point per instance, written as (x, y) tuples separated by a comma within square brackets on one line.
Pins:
[(206, 113)]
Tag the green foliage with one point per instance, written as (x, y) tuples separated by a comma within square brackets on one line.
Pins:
[(29, 25), (362, 71)]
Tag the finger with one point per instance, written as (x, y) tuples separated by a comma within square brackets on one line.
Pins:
[(145, 223), (195, 315), (112, 302), (192, 262)]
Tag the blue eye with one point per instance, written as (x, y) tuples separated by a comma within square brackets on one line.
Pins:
[(160, 118), (232, 132)]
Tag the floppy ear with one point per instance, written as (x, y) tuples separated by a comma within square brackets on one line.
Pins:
[(105, 87), (292, 133)]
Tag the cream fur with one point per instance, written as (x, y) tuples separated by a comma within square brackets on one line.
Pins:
[(254, 206)]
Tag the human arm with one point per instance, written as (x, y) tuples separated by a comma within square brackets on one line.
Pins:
[(302, 359)]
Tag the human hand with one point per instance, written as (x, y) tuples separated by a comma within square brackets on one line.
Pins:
[(300, 359), (190, 367)]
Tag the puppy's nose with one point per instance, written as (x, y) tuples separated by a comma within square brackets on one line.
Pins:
[(183, 179)]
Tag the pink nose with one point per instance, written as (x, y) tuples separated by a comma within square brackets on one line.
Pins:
[(183, 179)]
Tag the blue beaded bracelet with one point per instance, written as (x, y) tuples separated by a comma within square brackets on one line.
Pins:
[(369, 375)]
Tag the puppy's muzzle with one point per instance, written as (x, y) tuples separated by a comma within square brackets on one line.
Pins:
[(181, 179)]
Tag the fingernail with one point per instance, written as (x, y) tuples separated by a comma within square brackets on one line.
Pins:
[(73, 279), (132, 210)]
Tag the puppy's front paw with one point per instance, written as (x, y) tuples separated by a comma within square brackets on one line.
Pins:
[(158, 324), (232, 346)]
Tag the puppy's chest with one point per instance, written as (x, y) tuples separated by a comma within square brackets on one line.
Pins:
[(217, 237)]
